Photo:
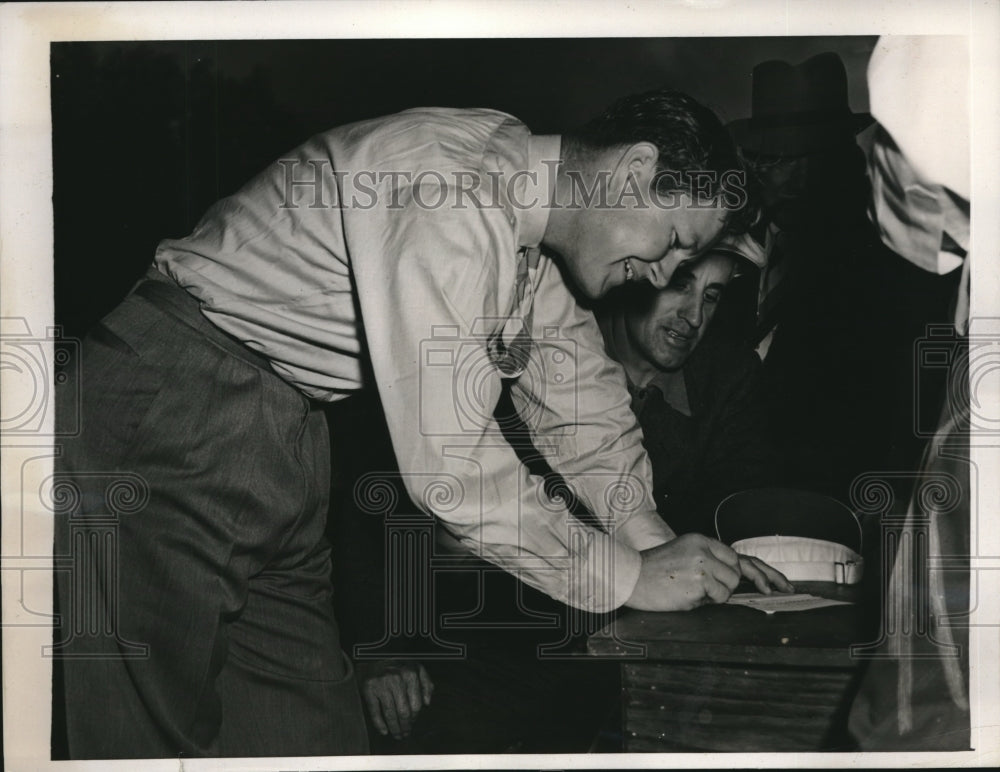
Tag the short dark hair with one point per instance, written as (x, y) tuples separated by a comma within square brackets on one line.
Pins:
[(690, 139)]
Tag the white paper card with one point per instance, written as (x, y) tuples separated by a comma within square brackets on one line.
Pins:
[(782, 602)]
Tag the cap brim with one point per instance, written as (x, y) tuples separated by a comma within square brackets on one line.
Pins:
[(751, 137), (742, 246)]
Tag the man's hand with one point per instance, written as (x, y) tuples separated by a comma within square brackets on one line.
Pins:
[(394, 692), (685, 573), (763, 576)]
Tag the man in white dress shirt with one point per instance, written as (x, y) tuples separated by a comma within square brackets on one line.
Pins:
[(401, 253)]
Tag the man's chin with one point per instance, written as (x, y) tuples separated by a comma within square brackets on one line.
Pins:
[(672, 357), (671, 365), (596, 294), (791, 217), (592, 290)]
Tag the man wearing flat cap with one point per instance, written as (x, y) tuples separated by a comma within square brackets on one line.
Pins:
[(695, 388)]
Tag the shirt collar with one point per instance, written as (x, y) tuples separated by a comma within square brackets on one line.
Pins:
[(532, 213), (671, 384)]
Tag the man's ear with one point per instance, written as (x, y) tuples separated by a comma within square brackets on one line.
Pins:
[(638, 161)]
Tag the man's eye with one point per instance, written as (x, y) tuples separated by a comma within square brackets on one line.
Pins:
[(713, 296)]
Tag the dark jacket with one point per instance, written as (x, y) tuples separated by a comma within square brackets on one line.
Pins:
[(723, 446)]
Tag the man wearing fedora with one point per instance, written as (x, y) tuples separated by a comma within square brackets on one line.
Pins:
[(801, 137), (832, 338)]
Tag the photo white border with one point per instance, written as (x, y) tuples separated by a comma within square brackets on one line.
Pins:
[(26, 248)]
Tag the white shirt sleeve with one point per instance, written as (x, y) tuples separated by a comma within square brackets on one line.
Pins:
[(574, 399), (426, 281)]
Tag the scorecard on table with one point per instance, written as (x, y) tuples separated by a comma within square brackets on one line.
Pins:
[(780, 601)]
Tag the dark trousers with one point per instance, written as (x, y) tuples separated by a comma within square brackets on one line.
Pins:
[(515, 690), (193, 575)]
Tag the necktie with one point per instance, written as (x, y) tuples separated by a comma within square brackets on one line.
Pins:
[(510, 347)]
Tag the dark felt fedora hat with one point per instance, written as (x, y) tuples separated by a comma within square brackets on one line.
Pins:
[(798, 109)]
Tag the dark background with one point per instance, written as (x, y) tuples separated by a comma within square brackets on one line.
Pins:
[(146, 135)]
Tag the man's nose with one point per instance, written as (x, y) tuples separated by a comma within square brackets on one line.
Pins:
[(691, 313), (798, 177)]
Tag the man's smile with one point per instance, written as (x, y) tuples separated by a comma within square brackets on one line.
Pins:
[(675, 338)]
